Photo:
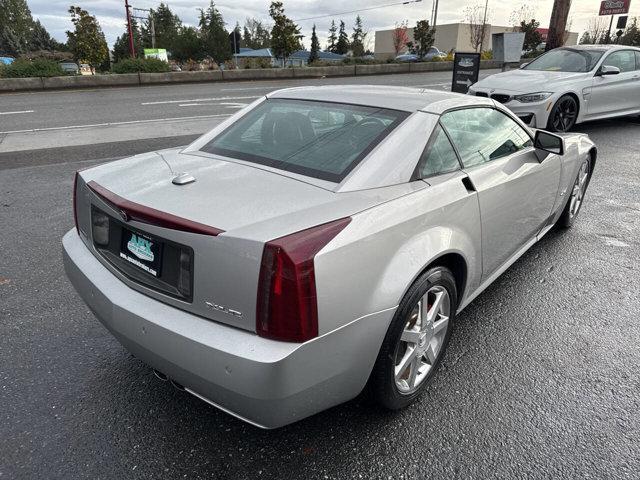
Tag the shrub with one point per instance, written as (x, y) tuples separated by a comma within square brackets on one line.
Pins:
[(143, 65), (22, 68), (254, 63), (487, 55)]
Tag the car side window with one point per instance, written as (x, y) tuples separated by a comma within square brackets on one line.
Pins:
[(637, 60), (483, 134), (439, 156), (623, 59)]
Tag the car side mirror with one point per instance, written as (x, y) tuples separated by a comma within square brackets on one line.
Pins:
[(545, 143), (608, 70)]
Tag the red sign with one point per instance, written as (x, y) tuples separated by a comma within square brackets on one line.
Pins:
[(614, 7)]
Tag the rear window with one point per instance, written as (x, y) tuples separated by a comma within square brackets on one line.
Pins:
[(317, 139)]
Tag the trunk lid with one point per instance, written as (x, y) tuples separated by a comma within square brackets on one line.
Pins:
[(250, 205)]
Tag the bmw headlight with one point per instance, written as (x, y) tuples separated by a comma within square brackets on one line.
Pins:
[(533, 97)]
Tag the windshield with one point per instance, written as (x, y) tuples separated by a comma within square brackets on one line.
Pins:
[(566, 60), (316, 139)]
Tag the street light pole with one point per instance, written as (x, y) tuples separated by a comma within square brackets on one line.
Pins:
[(132, 50)]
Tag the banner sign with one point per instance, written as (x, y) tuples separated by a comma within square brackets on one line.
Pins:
[(614, 7)]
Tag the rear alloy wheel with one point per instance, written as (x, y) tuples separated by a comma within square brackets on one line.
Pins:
[(416, 340), (576, 197), (563, 115)]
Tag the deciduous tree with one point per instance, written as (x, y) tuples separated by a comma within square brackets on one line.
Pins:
[(87, 42), (532, 37), (475, 16), (400, 37), (255, 34)]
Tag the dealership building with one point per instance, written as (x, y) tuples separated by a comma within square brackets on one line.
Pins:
[(452, 36)]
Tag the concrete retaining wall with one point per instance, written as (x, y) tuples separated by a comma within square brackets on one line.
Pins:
[(180, 77), (136, 79)]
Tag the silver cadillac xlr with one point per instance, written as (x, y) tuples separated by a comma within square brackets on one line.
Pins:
[(320, 241)]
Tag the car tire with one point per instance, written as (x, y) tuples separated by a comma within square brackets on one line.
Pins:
[(389, 384), (563, 115), (576, 197)]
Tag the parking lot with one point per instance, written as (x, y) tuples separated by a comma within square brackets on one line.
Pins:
[(540, 380)]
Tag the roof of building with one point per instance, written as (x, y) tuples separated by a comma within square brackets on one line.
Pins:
[(261, 53), (304, 54), (395, 98)]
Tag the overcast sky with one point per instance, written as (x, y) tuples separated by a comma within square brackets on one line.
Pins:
[(111, 13)]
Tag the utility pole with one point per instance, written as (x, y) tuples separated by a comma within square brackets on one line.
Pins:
[(558, 24), (434, 13), (152, 25), (132, 50), (484, 24)]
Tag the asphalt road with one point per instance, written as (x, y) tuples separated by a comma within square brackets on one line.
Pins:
[(64, 108), (541, 378)]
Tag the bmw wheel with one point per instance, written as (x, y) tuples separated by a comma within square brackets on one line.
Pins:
[(563, 115), (576, 197), (416, 340)]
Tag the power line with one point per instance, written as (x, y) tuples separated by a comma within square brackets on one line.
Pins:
[(359, 10)]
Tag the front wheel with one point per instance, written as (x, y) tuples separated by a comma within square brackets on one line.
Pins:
[(416, 339), (576, 197), (563, 115)]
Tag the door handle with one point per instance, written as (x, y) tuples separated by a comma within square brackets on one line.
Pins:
[(468, 184)]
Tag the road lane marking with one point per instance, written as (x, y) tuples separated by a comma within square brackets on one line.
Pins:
[(109, 124), (17, 112), (192, 100)]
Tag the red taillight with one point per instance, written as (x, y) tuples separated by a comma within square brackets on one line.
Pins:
[(75, 202), (287, 308)]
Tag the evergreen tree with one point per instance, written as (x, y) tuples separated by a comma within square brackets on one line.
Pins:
[(357, 38), (16, 24), (631, 35), (188, 45), (166, 25), (424, 36), (315, 46), (332, 39), (215, 38), (87, 42), (40, 38), (121, 45), (342, 45), (285, 35)]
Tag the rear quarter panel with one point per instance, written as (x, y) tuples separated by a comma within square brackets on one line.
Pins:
[(371, 264)]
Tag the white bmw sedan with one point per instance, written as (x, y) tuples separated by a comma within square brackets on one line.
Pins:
[(569, 85)]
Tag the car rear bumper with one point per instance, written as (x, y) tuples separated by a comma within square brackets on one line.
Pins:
[(264, 382)]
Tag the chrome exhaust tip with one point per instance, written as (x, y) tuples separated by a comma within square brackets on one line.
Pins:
[(160, 375)]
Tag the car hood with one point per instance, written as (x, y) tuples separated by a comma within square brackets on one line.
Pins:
[(528, 81), (234, 197)]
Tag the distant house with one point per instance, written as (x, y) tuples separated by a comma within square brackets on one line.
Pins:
[(301, 58), (247, 53), (296, 59)]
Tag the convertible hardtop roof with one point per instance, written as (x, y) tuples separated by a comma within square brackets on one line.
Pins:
[(407, 99)]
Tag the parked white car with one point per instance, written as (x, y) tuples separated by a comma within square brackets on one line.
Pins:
[(569, 85)]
